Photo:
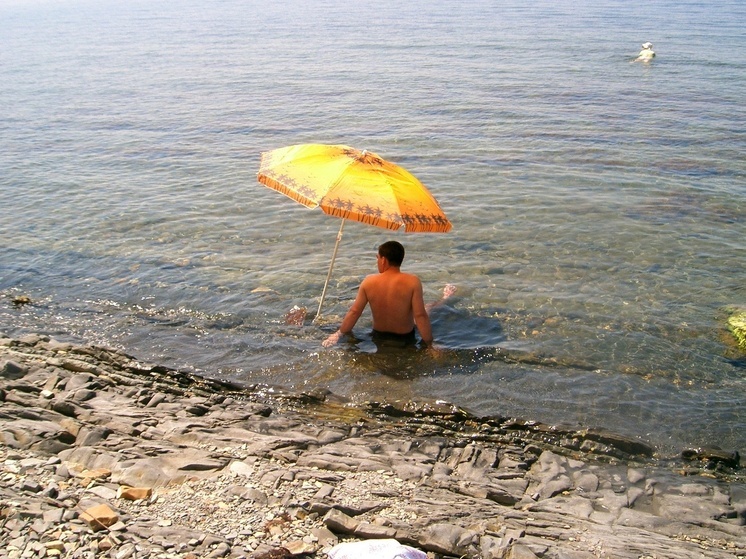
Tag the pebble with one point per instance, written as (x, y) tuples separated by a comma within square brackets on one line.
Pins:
[(104, 456)]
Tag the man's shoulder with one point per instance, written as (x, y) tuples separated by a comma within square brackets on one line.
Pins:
[(369, 282), (411, 278), (408, 282)]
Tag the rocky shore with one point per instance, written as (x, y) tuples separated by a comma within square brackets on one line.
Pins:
[(105, 456)]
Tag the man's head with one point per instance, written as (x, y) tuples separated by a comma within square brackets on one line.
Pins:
[(393, 252)]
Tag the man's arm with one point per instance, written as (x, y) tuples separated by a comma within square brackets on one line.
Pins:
[(351, 318), (421, 319)]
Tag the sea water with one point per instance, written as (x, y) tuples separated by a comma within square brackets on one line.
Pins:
[(597, 204)]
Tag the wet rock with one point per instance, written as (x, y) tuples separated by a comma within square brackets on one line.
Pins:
[(585, 481), (710, 457), (685, 508), (21, 300), (737, 325)]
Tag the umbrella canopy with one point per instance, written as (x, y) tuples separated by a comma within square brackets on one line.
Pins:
[(352, 184)]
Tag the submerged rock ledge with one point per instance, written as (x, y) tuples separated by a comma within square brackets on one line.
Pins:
[(104, 456)]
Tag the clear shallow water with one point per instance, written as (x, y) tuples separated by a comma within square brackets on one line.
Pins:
[(598, 205)]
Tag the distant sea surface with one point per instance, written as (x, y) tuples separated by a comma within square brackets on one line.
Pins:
[(598, 205)]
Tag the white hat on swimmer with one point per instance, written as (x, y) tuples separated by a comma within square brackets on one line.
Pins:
[(647, 45)]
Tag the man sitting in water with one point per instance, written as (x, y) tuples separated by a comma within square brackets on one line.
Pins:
[(395, 298), (646, 54)]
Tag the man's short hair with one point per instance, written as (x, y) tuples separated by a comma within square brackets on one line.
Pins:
[(393, 252)]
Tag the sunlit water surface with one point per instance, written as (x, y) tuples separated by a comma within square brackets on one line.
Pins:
[(598, 204)]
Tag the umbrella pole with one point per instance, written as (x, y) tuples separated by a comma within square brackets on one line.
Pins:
[(331, 267)]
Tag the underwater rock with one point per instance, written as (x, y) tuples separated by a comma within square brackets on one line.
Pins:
[(737, 325), (712, 456), (21, 300)]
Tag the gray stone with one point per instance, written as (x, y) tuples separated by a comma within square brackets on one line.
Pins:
[(552, 487), (325, 537), (78, 381), (83, 395), (685, 508), (634, 493), (126, 551), (20, 399), (491, 547), (62, 472), (635, 476), (53, 516), (221, 550), (575, 554), (366, 530), (66, 407), (412, 471), (448, 539), (610, 501), (24, 433), (324, 491), (572, 506), (92, 437), (585, 481), (339, 522), (155, 400), (105, 492), (242, 469), (519, 551), (694, 489), (197, 409), (249, 494), (12, 370), (57, 346), (359, 507), (640, 519)]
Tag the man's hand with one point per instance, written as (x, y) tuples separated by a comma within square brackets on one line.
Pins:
[(332, 339), (434, 352)]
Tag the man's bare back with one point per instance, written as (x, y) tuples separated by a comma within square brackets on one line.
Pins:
[(395, 299)]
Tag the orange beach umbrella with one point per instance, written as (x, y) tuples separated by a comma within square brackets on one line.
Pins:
[(352, 184)]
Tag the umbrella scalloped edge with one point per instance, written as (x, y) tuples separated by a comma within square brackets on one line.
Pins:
[(289, 192)]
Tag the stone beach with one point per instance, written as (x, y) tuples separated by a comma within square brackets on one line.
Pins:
[(105, 456)]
